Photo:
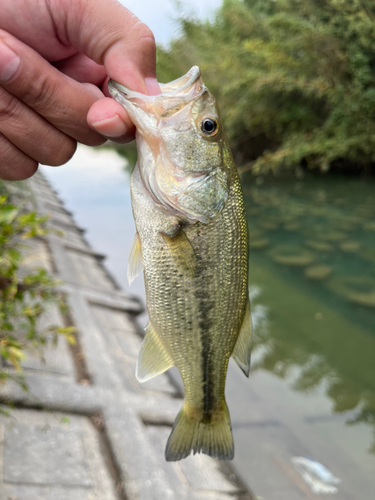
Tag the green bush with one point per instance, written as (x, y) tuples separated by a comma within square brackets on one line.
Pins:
[(25, 295), (295, 79)]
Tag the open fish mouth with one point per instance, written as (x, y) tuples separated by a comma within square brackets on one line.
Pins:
[(146, 110), (180, 86), (174, 97)]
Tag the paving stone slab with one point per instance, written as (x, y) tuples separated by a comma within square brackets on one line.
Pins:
[(123, 342), (203, 473), (59, 216), (73, 237), (65, 226), (36, 255), (157, 436), (97, 355), (43, 457), (40, 454), (112, 318), (87, 271), (56, 207), (144, 478), (85, 251), (115, 300), (55, 393), (22, 492), (218, 495), (54, 358), (129, 343), (46, 195), (61, 395)]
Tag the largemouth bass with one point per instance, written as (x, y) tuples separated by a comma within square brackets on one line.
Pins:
[(192, 240)]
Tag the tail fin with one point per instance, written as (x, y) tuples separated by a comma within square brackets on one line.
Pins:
[(190, 434)]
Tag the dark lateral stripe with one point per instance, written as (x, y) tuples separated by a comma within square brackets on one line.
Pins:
[(208, 397), (205, 305)]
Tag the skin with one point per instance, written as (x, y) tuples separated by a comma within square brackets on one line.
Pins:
[(55, 56)]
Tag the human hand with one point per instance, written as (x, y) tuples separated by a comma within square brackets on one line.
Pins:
[(54, 56)]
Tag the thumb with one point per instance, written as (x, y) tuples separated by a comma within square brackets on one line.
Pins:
[(111, 35)]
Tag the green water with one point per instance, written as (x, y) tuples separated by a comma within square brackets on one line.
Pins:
[(313, 257)]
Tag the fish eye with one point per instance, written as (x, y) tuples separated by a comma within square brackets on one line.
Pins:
[(209, 126)]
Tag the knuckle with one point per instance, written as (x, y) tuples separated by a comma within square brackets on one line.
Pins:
[(38, 91), (26, 171), (9, 106), (61, 152), (94, 140), (142, 32), (15, 165), (145, 32), (137, 32)]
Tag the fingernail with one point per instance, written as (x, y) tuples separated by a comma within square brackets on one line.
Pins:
[(152, 86), (111, 127), (9, 62)]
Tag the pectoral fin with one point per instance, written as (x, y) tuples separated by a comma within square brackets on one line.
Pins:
[(153, 359), (241, 351), (181, 249), (135, 264)]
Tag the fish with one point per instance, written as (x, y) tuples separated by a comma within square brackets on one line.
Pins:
[(192, 243)]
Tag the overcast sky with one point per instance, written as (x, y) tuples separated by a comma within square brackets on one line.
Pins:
[(160, 14)]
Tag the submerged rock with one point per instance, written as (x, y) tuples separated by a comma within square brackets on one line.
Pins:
[(318, 272), (321, 246), (291, 255), (332, 236), (369, 226), (259, 244), (350, 246), (356, 289), (292, 226), (269, 225)]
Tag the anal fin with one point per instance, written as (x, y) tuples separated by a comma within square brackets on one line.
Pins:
[(242, 349), (153, 359), (135, 264)]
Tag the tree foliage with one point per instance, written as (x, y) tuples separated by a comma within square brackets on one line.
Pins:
[(295, 79)]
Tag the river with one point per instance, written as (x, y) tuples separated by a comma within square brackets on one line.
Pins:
[(304, 423)]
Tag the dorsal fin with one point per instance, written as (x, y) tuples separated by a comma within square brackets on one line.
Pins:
[(135, 264), (242, 349), (153, 359)]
